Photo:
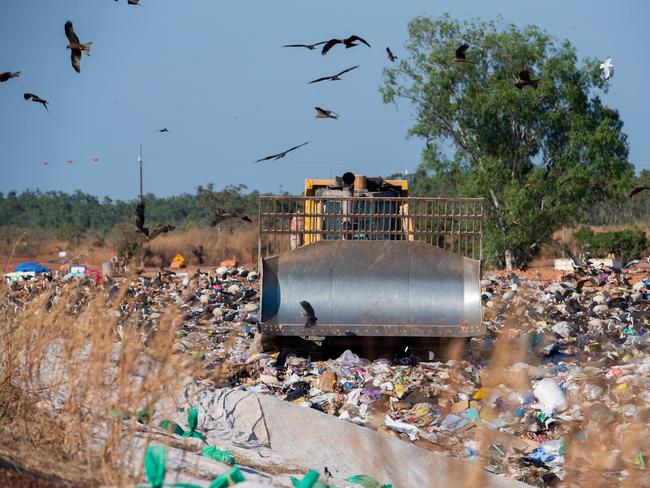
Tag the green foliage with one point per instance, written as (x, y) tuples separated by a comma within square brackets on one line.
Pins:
[(126, 240), (541, 158), (54, 210), (625, 244), (71, 232)]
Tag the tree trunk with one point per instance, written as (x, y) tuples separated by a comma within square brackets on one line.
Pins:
[(509, 260)]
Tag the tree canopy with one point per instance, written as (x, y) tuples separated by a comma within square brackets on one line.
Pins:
[(540, 157)]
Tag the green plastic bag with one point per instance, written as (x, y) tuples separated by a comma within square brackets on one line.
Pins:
[(192, 421), (213, 452), (229, 478), (309, 481), (172, 427), (367, 481), (154, 465)]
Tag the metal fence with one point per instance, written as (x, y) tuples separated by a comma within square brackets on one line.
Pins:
[(288, 222)]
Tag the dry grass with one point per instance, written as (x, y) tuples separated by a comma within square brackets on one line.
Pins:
[(239, 242), (63, 376)]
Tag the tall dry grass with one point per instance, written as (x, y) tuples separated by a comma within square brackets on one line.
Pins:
[(239, 242), (66, 381)]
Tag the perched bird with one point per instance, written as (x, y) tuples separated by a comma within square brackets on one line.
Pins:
[(218, 218), (523, 79), (310, 315), (459, 57), (349, 42), (321, 113), (164, 129), (76, 47), (36, 98), (311, 47), (631, 263), (7, 75), (335, 77), (606, 67), (281, 154), (390, 54), (638, 189)]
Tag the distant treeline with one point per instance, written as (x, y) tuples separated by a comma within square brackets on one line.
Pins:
[(50, 211)]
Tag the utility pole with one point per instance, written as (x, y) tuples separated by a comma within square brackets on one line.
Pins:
[(140, 161)]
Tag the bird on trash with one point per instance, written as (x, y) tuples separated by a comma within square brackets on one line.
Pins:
[(7, 75), (322, 113), (335, 77), (523, 79), (309, 314), (281, 154), (76, 47), (37, 99), (348, 42)]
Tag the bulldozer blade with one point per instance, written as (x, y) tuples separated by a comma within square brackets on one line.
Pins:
[(371, 288)]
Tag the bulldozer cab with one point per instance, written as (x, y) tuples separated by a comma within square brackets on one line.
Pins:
[(370, 260)]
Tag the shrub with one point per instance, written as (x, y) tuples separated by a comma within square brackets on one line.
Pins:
[(624, 244)]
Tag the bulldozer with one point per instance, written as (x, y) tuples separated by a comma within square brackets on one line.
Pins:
[(357, 257)]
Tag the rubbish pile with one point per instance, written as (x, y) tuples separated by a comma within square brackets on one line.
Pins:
[(557, 389)]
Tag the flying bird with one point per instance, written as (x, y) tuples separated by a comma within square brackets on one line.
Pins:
[(311, 47), (390, 54), (309, 314), (349, 42), (36, 98), (139, 220), (76, 47), (523, 79), (164, 129), (335, 77), (606, 67), (7, 75), (321, 113), (281, 154), (218, 218), (139, 217), (160, 229), (638, 189), (133, 2), (459, 57)]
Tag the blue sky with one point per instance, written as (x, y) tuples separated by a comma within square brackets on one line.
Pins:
[(214, 73)]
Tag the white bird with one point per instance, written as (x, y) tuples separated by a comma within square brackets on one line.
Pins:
[(606, 67)]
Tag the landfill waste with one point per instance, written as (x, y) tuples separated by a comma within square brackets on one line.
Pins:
[(557, 389)]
